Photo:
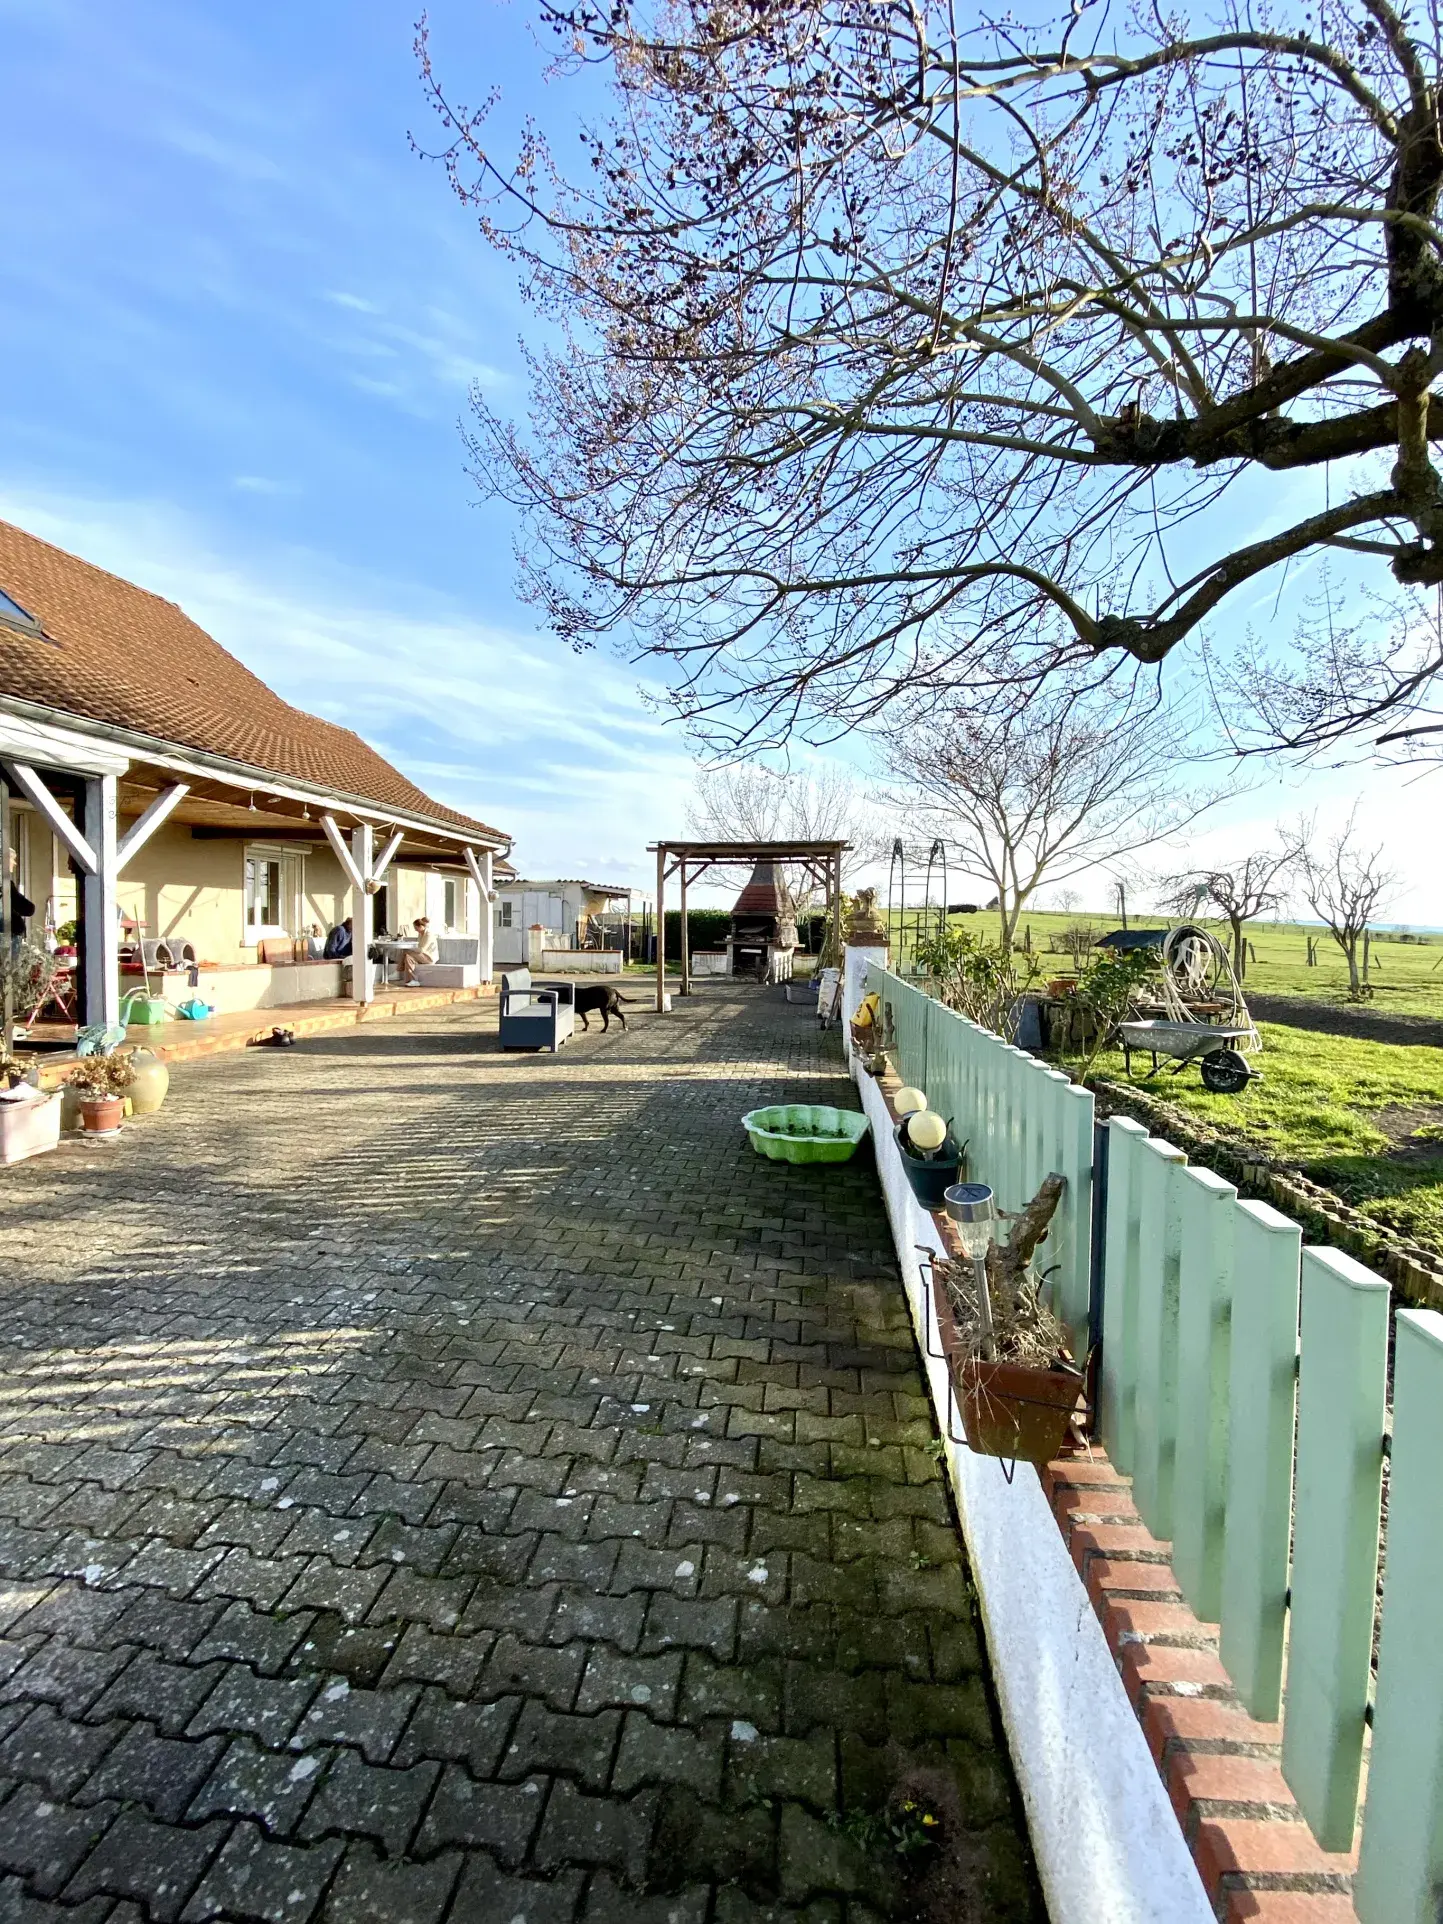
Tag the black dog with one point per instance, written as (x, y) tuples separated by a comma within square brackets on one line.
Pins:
[(600, 999)]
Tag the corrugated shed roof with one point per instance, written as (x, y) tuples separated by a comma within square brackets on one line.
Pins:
[(113, 653)]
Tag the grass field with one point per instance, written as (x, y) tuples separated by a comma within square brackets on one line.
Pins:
[(1407, 976), (1365, 1119)]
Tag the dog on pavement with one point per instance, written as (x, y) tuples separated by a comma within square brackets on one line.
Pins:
[(597, 998)]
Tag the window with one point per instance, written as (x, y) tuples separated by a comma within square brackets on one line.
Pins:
[(505, 913), (454, 911), (274, 891)]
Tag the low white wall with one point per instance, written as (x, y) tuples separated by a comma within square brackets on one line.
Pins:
[(268, 985), (581, 961), (1104, 1833), (711, 962)]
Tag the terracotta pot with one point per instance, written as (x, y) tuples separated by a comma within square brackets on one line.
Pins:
[(1016, 1409), (101, 1115)]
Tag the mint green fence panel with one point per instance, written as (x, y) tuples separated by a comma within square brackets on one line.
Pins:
[(1400, 1873), (1117, 1385), (1207, 1210), (1262, 1395), (1073, 1226), (1338, 1493), (909, 1016), (1161, 1168), (1021, 1119)]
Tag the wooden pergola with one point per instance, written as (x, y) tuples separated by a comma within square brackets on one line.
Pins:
[(819, 862)]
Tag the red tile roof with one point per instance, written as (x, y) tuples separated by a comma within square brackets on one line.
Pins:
[(114, 653)]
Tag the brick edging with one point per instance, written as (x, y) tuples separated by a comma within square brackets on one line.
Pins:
[(1253, 1849)]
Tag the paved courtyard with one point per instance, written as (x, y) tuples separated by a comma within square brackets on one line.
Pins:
[(444, 1485)]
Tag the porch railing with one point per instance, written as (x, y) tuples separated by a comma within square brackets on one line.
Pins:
[(1243, 1384)]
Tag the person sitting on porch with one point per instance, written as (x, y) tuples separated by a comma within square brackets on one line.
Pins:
[(425, 950), (338, 942)]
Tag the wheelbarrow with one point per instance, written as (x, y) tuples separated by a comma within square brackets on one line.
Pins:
[(1212, 1046)]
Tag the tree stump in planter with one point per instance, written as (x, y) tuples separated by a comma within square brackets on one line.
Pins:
[(1015, 1406)]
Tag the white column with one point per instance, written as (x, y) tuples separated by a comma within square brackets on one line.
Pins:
[(855, 963), (362, 917), (487, 891), (100, 906)]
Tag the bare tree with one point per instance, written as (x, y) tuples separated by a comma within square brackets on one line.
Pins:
[(1239, 891), (751, 802), (907, 345), (1345, 886), (1044, 795)]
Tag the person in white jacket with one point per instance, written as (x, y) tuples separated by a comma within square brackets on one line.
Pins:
[(414, 959)]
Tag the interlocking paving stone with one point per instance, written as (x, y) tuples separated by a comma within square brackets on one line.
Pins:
[(438, 1485)]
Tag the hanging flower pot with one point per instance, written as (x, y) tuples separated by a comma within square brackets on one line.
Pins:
[(1016, 1409), (930, 1174), (1016, 1388)]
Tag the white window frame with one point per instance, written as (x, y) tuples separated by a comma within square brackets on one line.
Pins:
[(291, 862), (458, 890)]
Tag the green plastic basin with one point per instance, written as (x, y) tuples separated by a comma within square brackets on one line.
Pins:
[(805, 1132)]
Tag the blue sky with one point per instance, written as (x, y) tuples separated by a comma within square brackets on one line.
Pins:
[(238, 324)]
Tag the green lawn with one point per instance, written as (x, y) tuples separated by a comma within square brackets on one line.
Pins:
[(1365, 1119), (1407, 977)]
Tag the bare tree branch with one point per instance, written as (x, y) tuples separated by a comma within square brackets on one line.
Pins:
[(887, 352)]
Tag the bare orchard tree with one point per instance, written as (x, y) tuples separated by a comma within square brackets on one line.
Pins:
[(1345, 886), (1047, 794), (1239, 892), (900, 346), (750, 802)]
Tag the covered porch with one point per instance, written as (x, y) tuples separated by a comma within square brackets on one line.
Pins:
[(158, 875)]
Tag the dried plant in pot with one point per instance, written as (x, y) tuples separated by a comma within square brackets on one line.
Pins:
[(100, 1083), (1015, 1380)]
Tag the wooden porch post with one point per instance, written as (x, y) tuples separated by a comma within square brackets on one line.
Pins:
[(660, 927), (685, 936), (100, 908), (362, 914), (836, 868)]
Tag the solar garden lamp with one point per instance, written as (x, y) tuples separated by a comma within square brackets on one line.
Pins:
[(972, 1210)]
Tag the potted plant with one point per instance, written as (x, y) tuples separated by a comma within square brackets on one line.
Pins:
[(1016, 1383), (100, 1082)]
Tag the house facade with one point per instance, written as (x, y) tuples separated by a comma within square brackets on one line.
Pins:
[(170, 806)]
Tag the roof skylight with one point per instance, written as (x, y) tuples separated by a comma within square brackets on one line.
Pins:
[(14, 616)]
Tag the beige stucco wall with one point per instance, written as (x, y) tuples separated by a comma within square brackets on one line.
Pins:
[(195, 889)]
